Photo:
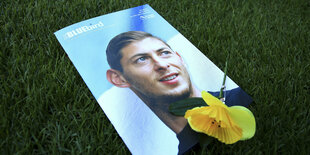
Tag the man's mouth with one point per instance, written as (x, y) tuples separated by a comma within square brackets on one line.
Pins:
[(169, 78)]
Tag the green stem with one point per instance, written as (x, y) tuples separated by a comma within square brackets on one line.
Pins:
[(224, 80)]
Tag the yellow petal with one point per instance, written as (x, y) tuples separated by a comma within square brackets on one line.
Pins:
[(211, 100), (195, 111), (230, 135), (214, 121), (244, 118), (198, 125)]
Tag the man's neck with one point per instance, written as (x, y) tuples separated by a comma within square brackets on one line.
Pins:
[(175, 123)]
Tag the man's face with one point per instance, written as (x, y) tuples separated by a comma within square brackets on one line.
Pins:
[(154, 71)]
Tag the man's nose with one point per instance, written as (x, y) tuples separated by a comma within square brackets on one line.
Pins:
[(160, 64)]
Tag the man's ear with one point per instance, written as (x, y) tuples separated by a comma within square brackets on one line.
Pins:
[(116, 78)]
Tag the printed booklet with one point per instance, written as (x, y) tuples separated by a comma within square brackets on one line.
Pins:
[(135, 63)]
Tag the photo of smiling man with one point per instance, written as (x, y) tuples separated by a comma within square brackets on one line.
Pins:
[(154, 72), (158, 76)]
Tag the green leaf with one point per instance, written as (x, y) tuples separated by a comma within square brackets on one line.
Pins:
[(180, 107)]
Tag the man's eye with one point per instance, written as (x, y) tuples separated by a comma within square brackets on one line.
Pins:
[(140, 60), (165, 52)]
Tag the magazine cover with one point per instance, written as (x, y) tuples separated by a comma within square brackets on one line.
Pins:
[(135, 64)]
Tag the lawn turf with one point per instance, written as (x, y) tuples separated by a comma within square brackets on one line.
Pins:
[(46, 108)]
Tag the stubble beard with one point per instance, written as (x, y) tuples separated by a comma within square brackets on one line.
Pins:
[(153, 98), (173, 97)]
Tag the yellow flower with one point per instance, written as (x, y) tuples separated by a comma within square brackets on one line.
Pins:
[(227, 124)]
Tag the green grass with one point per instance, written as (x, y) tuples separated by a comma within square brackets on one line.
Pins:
[(47, 109)]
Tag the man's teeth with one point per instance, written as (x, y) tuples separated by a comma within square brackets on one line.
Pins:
[(169, 78)]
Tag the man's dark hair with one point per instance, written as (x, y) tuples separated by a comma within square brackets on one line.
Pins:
[(113, 52)]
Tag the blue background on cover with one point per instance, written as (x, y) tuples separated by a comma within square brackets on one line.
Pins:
[(87, 50)]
